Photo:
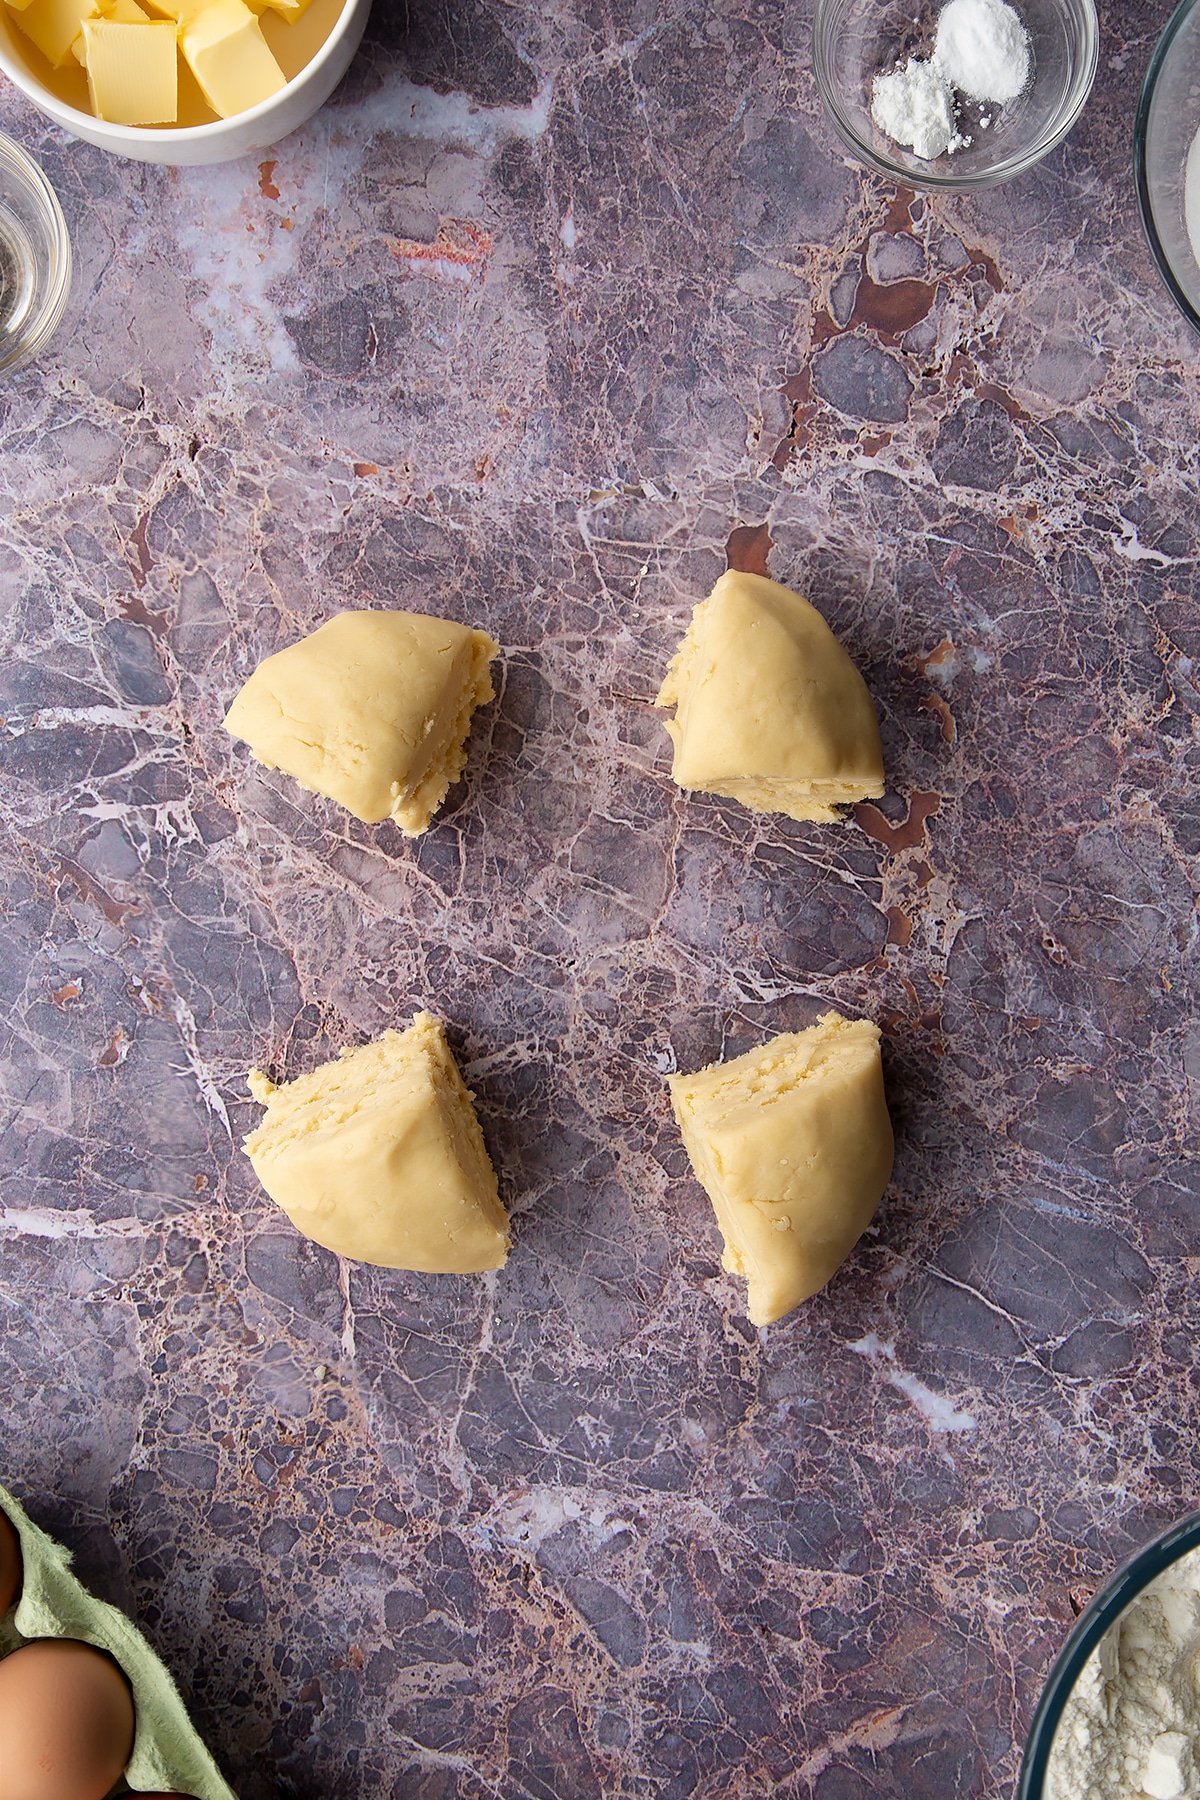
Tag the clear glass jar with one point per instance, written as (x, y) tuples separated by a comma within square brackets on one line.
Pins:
[(35, 258)]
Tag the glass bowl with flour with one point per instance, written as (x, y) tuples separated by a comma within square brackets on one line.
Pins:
[(954, 93), (1119, 1718), (1166, 158)]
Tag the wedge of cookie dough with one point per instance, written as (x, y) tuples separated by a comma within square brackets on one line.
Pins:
[(371, 709), (769, 709), (379, 1156), (792, 1143)]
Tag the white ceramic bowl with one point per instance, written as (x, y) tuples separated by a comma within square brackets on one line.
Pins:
[(222, 139)]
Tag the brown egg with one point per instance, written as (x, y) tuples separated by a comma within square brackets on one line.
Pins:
[(66, 1722), (11, 1567)]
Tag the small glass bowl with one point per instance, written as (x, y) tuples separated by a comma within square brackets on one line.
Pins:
[(1097, 1617), (35, 259), (1168, 119), (856, 40)]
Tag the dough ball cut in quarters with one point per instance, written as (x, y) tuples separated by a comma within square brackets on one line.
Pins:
[(769, 709), (372, 709), (379, 1156), (793, 1145)]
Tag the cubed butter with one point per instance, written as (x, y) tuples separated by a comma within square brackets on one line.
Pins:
[(132, 70), (379, 1156), (793, 1145), (229, 57), (769, 709), (372, 709), (179, 10), (291, 10), (55, 25), (125, 12)]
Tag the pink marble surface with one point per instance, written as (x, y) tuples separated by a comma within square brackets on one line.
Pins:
[(550, 306)]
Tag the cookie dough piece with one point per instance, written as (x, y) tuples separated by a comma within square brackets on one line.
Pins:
[(379, 1156), (769, 708), (372, 709), (793, 1145)]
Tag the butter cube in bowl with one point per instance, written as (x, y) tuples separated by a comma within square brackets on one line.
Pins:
[(179, 81), (132, 69)]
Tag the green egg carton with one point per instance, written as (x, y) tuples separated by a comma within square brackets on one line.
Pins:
[(168, 1753)]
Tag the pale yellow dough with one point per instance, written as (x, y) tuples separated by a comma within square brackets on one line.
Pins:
[(793, 1145), (379, 1156), (372, 709), (769, 708)]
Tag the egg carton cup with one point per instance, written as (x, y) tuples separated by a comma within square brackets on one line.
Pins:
[(168, 1752)]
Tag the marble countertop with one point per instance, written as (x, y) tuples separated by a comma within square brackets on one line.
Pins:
[(552, 311)]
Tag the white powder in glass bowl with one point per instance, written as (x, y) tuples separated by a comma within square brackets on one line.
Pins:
[(916, 108), (981, 52), (982, 49)]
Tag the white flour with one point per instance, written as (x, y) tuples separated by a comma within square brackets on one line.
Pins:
[(981, 52), (1130, 1729)]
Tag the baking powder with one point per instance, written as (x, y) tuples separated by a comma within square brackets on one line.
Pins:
[(982, 49), (1130, 1727)]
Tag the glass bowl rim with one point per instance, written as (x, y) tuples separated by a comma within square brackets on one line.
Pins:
[(1141, 177), (979, 178), (54, 304), (1108, 1604)]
